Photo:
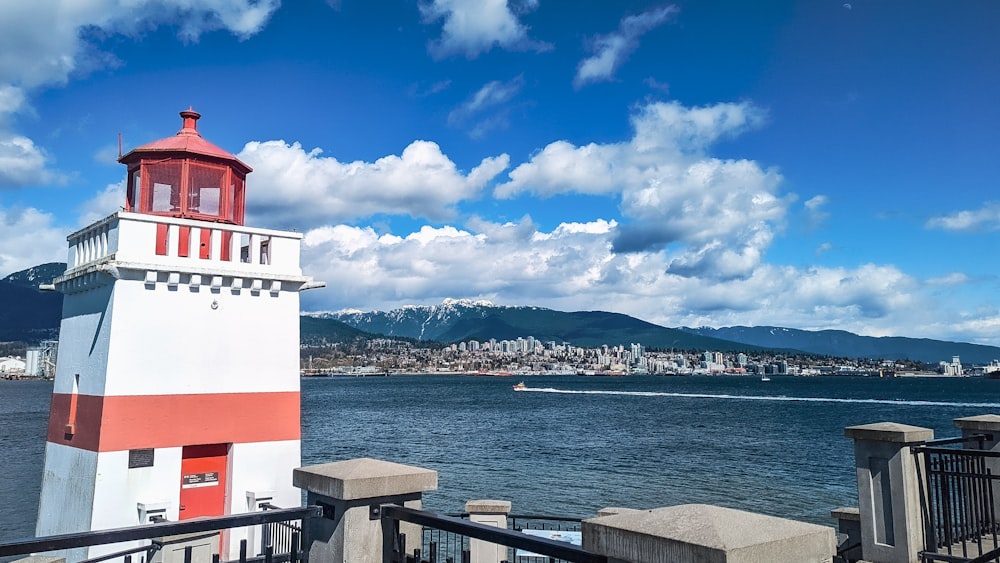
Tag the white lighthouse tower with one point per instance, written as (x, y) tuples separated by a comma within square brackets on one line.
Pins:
[(177, 388)]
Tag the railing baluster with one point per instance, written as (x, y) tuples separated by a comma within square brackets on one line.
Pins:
[(980, 514), (940, 491), (946, 503), (295, 548), (963, 502)]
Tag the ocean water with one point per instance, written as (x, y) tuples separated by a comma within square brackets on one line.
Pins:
[(571, 445)]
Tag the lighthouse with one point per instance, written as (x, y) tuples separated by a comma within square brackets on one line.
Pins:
[(176, 394)]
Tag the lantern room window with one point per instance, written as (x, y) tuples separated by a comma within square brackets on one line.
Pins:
[(235, 208), (187, 188), (205, 188), (164, 182)]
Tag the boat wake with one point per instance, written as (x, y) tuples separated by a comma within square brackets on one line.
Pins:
[(780, 398)]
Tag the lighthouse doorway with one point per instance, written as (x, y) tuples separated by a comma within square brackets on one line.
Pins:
[(203, 480)]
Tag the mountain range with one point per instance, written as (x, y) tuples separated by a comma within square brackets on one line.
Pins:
[(28, 314), (457, 320)]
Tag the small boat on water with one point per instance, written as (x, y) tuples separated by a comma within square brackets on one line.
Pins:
[(765, 378), (520, 386)]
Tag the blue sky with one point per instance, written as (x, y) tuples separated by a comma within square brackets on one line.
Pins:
[(812, 164)]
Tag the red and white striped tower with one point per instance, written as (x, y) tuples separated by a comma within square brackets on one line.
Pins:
[(177, 387)]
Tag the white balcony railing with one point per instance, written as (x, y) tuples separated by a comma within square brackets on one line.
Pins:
[(183, 244)]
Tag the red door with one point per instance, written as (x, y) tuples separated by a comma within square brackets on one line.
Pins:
[(203, 480)]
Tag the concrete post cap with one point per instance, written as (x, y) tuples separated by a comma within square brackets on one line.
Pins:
[(889, 432), (488, 507), (708, 533), (983, 422), (846, 513), (364, 478)]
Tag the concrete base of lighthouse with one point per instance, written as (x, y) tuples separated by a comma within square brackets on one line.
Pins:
[(84, 490)]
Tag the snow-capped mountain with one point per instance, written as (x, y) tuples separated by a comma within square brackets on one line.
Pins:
[(422, 322)]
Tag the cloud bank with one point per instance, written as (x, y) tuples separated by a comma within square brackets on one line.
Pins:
[(574, 267), (690, 249)]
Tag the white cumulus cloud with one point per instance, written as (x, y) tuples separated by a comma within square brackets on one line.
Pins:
[(23, 163), (611, 50), (103, 203), (720, 215), (473, 27), (29, 238), (295, 187)]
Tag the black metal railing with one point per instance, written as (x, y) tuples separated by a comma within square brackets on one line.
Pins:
[(958, 501), (281, 535), (441, 546), (156, 534), (521, 522), (552, 527), (457, 546), (438, 545)]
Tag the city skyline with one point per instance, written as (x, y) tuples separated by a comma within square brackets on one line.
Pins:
[(815, 165)]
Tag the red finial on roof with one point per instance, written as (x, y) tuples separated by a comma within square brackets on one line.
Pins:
[(187, 140), (190, 122)]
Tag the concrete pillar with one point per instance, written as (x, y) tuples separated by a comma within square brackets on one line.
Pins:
[(347, 491), (848, 532), (984, 424), (892, 529), (706, 534), (491, 513)]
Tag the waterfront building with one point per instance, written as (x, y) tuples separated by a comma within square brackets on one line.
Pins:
[(12, 365), (176, 392), (952, 369)]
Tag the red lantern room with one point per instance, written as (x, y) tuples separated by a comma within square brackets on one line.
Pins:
[(186, 176)]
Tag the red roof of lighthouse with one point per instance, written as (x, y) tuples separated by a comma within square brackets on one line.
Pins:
[(187, 140)]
